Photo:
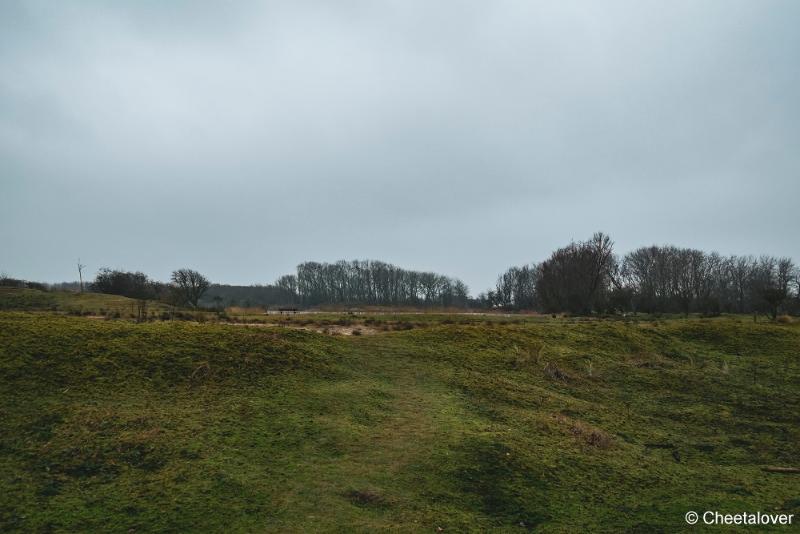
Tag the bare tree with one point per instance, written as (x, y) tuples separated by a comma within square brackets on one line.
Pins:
[(516, 288), (189, 285), (577, 278), (80, 272), (585, 277), (371, 282), (740, 273), (773, 284)]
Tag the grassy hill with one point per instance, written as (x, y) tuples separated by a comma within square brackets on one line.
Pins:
[(72, 303), (457, 422)]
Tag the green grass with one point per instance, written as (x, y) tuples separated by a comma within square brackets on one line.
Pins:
[(459, 423)]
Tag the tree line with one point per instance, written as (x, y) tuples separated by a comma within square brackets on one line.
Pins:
[(16, 283), (587, 277), (371, 282), (257, 295), (354, 282), (186, 286), (584, 277)]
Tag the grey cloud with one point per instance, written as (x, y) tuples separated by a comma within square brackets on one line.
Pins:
[(460, 137)]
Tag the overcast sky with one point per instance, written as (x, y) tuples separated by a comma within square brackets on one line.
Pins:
[(460, 137)]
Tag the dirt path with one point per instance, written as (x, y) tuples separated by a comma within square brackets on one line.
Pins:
[(405, 417), (356, 330)]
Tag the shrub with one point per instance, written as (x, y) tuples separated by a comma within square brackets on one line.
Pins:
[(586, 433), (554, 372), (594, 437)]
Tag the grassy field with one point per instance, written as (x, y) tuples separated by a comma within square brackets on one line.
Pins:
[(423, 422), (87, 303)]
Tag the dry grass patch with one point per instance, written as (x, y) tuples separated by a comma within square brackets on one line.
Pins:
[(649, 361), (585, 433), (556, 373)]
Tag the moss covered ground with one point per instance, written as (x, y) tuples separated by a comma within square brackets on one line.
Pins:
[(457, 423)]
